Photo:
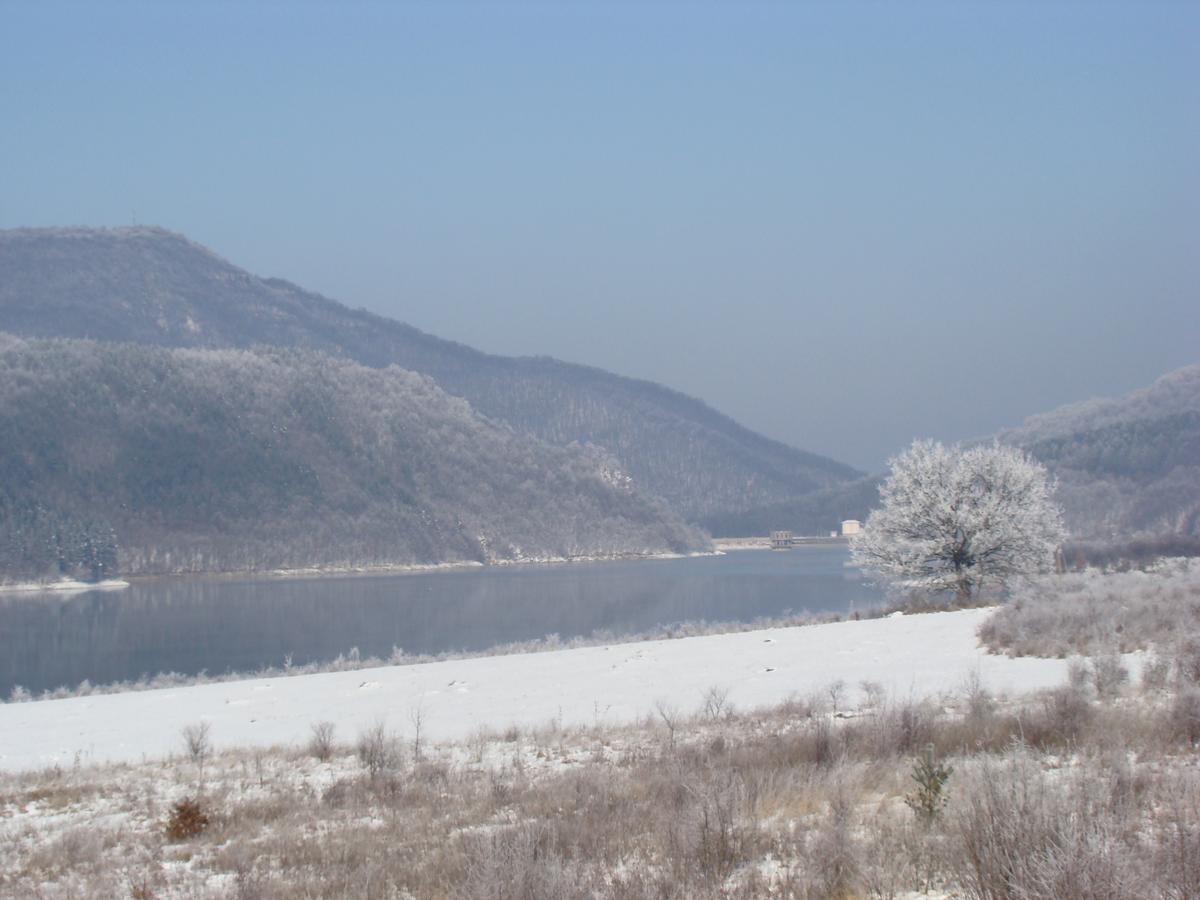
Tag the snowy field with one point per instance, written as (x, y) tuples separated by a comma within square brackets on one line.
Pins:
[(910, 656)]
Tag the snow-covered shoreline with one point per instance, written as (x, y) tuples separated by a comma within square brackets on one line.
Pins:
[(63, 586), (910, 655), (375, 571), (725, 545)]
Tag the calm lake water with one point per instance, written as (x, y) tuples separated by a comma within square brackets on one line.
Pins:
[(218, 625)]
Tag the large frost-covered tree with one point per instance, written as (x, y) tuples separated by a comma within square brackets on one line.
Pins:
[(953, 519)]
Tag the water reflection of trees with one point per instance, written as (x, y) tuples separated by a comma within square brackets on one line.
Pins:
[(216, 625)]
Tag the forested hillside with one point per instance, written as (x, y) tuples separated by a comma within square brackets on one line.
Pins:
[(151, 286), (1126, 466), (817, 513), (200, 460)]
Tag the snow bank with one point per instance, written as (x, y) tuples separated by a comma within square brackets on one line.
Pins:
[(914, 655)]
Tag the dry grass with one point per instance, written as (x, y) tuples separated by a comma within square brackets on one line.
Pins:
[(1073, 793)]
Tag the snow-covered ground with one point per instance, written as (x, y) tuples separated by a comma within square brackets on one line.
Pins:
[(910, 655)]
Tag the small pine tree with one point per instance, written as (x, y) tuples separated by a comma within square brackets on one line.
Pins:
[(929, 798), (187, 819)]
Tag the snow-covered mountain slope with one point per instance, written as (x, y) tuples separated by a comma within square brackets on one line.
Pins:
[(218, 460), (152, 286), (1126, 466)]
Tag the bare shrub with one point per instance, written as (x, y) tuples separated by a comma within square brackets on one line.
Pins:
[(836, 689), (431, 775), (720, 840), (820, 742), (980, 703), (518, 862), (320, 743), (873, 693), (894, 729), (671, 719), (1156, 673), (716, 703), (893, 857), (343, 793), (1021, 837), (198, 742), (1187, 659), (1184, 715), (416, 718), (1109, 674), (1177, 851), (1093, 612), (76, 848), (477, 743), (378, 751), (186, 820), (834, 855), (141, 887), (906, 727), (1064, 715), (1079, 675), (502, 789)]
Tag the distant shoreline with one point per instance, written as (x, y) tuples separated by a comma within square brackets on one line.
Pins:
[(64, 586), (316, 572), (470, 565), (764, 543)]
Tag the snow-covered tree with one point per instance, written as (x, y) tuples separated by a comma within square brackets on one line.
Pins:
[(953, 519)]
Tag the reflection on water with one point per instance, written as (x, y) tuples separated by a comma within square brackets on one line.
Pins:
[(194, 625)]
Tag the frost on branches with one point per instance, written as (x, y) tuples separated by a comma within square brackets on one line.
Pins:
[(954, 519)]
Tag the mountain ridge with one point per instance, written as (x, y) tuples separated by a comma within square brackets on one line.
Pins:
[(1127, 466), (167, 460), (150, 285)]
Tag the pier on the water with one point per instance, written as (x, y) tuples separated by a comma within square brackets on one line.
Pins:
[(785, 540)]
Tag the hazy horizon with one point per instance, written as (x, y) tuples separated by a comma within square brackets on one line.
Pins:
[(845, 226)]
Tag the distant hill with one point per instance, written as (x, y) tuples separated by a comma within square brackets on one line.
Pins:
[(817, 513), (200, 460), (151, 286), (1127, 466)]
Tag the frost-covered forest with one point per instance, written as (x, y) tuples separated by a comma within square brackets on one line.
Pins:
[(151, 286), (817, 513), (1126, 466), (201, 460)]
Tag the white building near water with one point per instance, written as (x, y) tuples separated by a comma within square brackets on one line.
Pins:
[(851, 526)]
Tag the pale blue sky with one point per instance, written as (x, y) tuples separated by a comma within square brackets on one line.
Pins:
[(928, 219)]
